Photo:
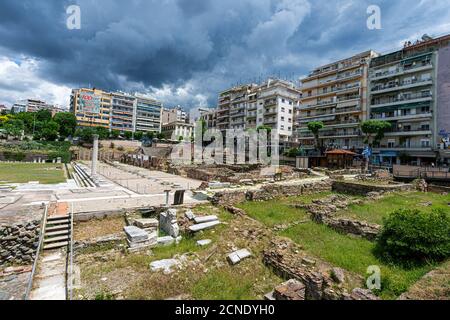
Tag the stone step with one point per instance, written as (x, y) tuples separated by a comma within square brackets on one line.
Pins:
[(51, 223), (57, 233), (56, 239), (55, 245), (57, 218), (203, 226), (57, 227)]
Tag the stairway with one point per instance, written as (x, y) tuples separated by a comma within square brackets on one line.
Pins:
[(50, 279), (57, 227)]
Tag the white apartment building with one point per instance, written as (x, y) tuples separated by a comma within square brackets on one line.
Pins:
[(271, 104)]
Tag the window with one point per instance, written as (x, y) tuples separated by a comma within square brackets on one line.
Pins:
[(282, 127), (283, 100), (283, 109), (282, 118), (425, 143), (290, 111)]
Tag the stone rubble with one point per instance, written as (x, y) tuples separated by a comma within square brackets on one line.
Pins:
[(168, 223), (319, 285), (292, 290), (203, 226), (203, 243), (139, 239), (324, 211), (238, 256)]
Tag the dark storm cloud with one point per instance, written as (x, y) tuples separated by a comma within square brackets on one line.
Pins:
[(188, 50)]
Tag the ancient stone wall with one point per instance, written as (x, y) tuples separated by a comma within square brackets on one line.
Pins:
[(363, 189), (269, 191), (19, 242)]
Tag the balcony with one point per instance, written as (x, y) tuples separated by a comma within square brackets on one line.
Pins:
[(412, 98), (237, 114), (401, 86), (400, 71), (404, 147), (420, 115), (419, 131), (335, 112), (269, 112)]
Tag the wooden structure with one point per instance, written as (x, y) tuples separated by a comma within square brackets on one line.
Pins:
[(340, 159)]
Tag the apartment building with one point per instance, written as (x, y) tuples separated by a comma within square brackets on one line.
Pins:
[(122, 114), (35, 105), (148, 114), (116, 110), (410, 88), (336, 95), (210, 117), (92, 107), (174, 114), (272, 104)]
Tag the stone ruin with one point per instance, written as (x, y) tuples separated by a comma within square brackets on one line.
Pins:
[(317, 282), (235, 174), (168, 223), (324, 211)]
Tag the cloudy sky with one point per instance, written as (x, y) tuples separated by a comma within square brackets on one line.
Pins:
[(186, 51)]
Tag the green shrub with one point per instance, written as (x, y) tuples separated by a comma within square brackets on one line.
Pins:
[(411, 236)]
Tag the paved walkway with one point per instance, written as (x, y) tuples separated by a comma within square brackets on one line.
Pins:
[(50, 279)]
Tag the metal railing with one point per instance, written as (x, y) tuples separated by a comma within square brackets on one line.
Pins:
[(69, 283), (38, 250)]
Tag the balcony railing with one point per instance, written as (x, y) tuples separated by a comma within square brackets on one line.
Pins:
[(402, 98), (400, 85), (399, 70), (411, 115)]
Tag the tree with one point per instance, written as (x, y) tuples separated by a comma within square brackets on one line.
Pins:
[(150, 135), (50, 131), (115, 134), (14, 127), (128, 135), (292, 153), (67, 123), (102, 133), (43, 115), (138, 135), (85, 134), (28, 119), (374, 131), (315, 128), (160, 136)]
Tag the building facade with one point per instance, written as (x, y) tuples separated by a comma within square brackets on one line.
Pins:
[(270, 104), (92, 107), (336, 95), (178, 130), (410, 89), (35, 105), (174, 114), (148, 114), (116, 110)]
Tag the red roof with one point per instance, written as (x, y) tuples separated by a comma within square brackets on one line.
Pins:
[(345, 152)]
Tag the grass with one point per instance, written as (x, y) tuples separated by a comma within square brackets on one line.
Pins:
[(375, 212), (25, 172), (213, 278), (351, 253), (354, 254), (272, 213)]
